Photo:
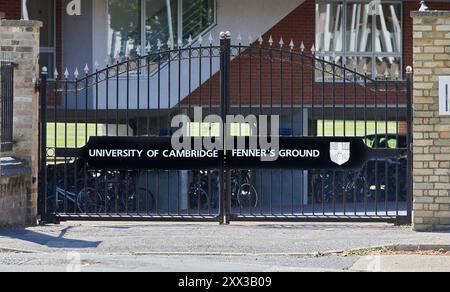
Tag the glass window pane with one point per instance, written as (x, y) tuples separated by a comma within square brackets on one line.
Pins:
[(388, 68), (124, 28), (44, 11), (326, 71), (359, 27), (388, 37), (329, 27), (361, 64), (161, 21), (198, 15)]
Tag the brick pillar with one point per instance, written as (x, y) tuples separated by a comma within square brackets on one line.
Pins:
[(431, 47), (20, 41)]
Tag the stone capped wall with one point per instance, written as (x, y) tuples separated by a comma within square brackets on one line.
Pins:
[(431, 50), (19, 41)]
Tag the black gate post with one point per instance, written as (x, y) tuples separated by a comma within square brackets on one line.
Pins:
[(410, 142), (43, 144), (225, 89)]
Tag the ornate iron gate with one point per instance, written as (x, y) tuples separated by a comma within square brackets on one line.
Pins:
[(315, 97)]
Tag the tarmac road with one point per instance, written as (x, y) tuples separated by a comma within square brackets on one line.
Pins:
[(201, 247)]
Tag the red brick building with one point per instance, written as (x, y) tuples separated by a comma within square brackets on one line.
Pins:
[(298, 23), (374, 37)]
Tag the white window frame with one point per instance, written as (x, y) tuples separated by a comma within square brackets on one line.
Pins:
[(179, 36), (345, 53)]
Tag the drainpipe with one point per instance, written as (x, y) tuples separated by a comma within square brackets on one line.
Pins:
[(25, 10)]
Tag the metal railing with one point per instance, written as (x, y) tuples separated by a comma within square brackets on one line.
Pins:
[(6, 103), (261, 79)]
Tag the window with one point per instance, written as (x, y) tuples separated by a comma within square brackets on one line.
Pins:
[(135, 24), (44, 10), (362, 34)]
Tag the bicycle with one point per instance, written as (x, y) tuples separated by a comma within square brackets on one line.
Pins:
[(199, 190), (243, 192), (120, 193)]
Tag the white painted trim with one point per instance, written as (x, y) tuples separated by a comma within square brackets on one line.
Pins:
[(25, 15)]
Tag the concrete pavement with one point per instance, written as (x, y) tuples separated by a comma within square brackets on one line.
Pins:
[(95, 246), (402, 263)]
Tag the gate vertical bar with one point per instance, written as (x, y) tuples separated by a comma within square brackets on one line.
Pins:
[(225, 88), (43, 143), (410, 142)]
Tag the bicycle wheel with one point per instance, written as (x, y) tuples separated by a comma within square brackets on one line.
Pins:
[(145, 200), (247, 196), (199, 199), (90, 201)]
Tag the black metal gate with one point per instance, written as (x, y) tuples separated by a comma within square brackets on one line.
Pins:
[(314, 96)]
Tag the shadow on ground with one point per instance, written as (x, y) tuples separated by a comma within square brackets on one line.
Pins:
[(50, 241)]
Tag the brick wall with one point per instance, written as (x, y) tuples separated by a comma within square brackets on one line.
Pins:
[(408, 7), (297, 26), (431, 47), (12, 8), (20, 41)]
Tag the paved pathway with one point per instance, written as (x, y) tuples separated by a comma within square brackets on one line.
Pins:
[(199, 247)]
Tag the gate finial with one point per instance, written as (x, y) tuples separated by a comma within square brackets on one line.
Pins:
[(225, 35), (159, 45), (423, 6), (292, 45), (250, 40), (211, 38)]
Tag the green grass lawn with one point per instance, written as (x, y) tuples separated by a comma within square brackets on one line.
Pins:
[(338, 128), (65, 134), (80, 131)]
